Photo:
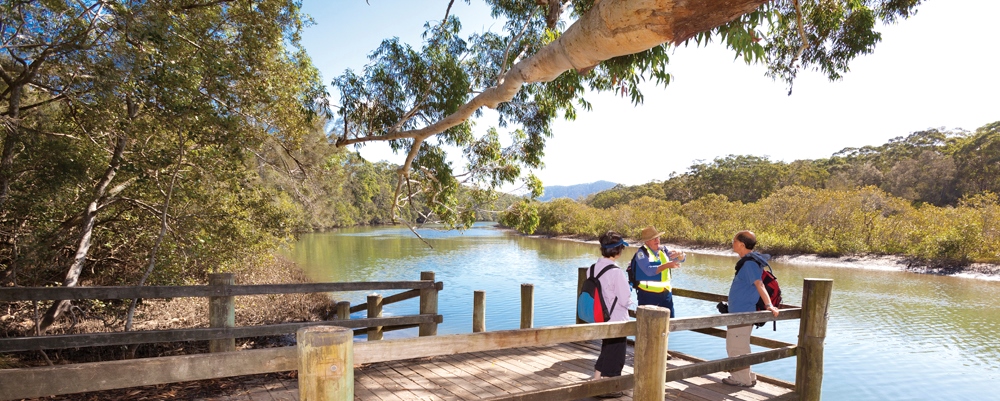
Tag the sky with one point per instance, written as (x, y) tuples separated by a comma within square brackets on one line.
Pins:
[(938, 69)]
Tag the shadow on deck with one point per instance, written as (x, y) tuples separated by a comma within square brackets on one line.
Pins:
[(488, 374)]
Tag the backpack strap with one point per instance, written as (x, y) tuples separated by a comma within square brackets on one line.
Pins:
[(604, 270)]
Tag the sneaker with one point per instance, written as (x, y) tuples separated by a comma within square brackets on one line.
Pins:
[(732, 382)]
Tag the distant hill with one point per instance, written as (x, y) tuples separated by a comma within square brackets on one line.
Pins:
[(575, 191)]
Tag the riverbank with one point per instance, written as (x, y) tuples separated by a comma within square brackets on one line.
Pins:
[(978, 271)]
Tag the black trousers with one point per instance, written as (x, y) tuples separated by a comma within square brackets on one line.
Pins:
[(612, 358)]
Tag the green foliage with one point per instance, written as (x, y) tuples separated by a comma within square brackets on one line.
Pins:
[(522, 216), (197, 97), (797, 219), (977, 159), (928, 196)]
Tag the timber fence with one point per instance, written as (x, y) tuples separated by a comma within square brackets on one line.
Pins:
[(222, 334), (325, 356)]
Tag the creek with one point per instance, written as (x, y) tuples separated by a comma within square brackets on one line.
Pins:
[(891, 335)]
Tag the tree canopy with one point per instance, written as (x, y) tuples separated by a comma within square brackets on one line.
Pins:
[(548, 56)]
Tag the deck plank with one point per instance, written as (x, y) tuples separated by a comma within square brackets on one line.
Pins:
[(505, 372)]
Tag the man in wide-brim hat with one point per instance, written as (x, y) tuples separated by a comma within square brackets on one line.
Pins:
[(651, 266)]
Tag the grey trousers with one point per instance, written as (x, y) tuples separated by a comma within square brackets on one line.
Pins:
[(738, 343)]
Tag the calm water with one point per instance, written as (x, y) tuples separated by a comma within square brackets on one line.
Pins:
[(891, 336)]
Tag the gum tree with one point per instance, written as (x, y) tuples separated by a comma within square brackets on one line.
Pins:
[(539, 67), (132, 132)]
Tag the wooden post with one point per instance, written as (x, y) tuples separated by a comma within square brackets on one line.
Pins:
[(652, 329), (478, 311), (428, 305), (326, 363), (221, 311), (812, 333), (344, 310), (374, 310), (527, 306), (581, 276)]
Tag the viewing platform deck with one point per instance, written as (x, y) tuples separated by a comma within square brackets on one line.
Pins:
[(484, 375), (526, 364)]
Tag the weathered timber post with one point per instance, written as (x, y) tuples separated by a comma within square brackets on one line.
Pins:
[(326, 363), (580, 278), (221, 311), (652, 329), (374, 310), (812, 333), (527, 306), (344, 310), (478, 311), (428, 305)]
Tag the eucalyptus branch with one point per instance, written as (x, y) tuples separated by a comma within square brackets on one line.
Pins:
[(297, 162), (802, 33), (412, 230), (506, 51), (446, 13), (194, 6), (54, 134), (44, 102), (145, 206), (417, 106), (163, 231)]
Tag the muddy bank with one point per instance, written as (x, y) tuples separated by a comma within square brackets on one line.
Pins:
[(979, 271)]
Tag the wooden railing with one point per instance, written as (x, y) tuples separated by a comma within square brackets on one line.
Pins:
[(222, 308), (322, 350), (651, 330)]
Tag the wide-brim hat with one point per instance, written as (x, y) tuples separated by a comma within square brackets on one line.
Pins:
[(649, 233)]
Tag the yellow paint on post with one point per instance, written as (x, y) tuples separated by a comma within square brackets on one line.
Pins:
[(326, 363)]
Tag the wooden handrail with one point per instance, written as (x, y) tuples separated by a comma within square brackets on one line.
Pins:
[(758, 341), (99, 376), (731, 319), (10, 294), (422, 347), (727, 364), (196, 334)]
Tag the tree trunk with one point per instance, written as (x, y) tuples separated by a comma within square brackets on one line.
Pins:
[(86, 230)]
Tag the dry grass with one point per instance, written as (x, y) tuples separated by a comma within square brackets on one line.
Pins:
[(18, 319)]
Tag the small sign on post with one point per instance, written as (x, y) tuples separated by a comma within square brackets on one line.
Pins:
[(326, 363)]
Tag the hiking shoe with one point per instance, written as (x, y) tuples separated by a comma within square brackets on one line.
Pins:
[(732, 382), (611, 395)]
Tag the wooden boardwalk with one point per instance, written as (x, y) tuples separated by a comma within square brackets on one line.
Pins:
[(482, 375)]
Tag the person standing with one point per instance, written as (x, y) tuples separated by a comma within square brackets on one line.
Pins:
[(614, 286), (652, 264), (746, 289)]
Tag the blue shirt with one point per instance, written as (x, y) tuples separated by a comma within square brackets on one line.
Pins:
[(743, 295)]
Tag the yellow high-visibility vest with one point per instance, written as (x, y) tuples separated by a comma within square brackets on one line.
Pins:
[(656, 259)]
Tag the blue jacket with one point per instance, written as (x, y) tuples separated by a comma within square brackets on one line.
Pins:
[(743, 295)]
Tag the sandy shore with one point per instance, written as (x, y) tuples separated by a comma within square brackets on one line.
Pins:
[(978, 271)]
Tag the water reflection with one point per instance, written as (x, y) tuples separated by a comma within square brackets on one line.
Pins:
[(892, 335)]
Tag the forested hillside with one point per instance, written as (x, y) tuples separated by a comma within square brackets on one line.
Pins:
[(931, 196), (574, 191)]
